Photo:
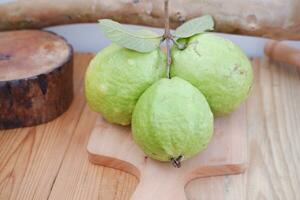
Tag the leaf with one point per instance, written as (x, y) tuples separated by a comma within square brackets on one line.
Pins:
[(195, 26), (140, 40)]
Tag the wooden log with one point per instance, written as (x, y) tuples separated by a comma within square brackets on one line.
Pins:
[(267, 18), (281, 52), (36, 83)]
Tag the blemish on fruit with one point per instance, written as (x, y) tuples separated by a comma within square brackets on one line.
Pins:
[(103, 88), (131, 62), (196, 51), (116, 110), (237, 68)]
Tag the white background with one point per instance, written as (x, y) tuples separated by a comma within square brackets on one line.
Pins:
[(89, 38)]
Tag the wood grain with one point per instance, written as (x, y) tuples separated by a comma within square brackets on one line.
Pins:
[(267, 18), (38, 152), (112, 146), (273, 126), (50, 161)]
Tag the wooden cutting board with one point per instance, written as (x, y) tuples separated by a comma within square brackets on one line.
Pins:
[(112, 146)]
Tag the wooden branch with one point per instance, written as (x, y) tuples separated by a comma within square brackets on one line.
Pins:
[(267, 18), (35, 78), (281, 52)]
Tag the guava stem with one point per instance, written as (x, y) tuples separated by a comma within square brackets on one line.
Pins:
[(176, 162), (179, 45), (168, 37), (169, 60)]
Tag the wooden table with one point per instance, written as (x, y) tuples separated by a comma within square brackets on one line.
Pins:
[(50, 161)]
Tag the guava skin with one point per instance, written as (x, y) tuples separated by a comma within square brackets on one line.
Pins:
[(217, 67), (172, 118), (117, 77)]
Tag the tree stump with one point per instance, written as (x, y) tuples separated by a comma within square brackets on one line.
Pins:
[(36, 77)]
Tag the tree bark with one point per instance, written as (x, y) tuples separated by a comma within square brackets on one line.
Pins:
[(36, 83), (267, 18)]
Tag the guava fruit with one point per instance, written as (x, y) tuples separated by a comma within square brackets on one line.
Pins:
[(172, 119), (116, 77), (217, 67)]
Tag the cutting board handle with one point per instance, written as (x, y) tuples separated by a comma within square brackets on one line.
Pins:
[(159, 183)]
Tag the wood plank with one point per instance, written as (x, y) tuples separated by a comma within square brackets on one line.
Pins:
[(31, 157), (79, 179), (274, 145), (273, 126)]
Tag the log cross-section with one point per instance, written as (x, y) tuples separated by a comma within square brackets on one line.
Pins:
[(36, 77)]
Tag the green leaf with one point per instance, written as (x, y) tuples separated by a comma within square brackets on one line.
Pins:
[(195, 26), (140, 40)]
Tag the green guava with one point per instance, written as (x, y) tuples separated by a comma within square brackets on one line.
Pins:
[(171, 119), (116, 78), (217, 67)]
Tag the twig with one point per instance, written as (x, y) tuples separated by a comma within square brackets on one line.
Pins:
[(180, 46), (168, 37)]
